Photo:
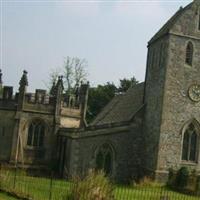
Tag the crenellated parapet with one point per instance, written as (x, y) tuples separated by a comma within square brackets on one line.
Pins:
[(58, 103), (75, 98)]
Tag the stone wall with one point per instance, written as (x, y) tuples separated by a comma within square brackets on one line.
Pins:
[(187, 24), (154, 86), (7, 124), (178, 109), (44, 154), (124, 141)]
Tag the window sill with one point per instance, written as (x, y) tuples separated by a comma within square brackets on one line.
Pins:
[(189, 66)]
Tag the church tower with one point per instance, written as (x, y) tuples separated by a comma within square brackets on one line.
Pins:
[(172, 95)]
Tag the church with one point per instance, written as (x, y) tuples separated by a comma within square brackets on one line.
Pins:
[(154, 126)]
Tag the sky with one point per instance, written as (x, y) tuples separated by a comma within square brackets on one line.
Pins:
[(112, 35)]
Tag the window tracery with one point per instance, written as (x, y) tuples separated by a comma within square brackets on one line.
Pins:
[(190, 144), (36, 133)]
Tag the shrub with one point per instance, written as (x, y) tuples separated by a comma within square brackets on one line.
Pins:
[(192, 182), (95, 186), (171, 177), (198, 186), (182, 178), (184, 181), (147, 182)]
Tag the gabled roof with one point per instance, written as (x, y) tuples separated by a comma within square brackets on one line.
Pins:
[(167, 26), (122, 107)]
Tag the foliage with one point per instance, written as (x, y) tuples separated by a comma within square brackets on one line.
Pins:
[(95, 186), (182, 177), (4, 196), (98, 98), (125, 84), (147, 182), (101, 95), (184, 181), (171, 177)]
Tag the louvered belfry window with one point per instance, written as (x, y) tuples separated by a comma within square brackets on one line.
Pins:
[(189, 53)]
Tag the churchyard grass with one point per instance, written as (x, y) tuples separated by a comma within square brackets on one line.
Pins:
[(4, 196), (149, 193), (38, 188)]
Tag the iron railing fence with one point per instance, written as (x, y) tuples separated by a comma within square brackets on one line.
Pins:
[(20, 183)]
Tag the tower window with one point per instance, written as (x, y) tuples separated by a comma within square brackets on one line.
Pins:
[(36, 134), (189, 54), (190, 144)]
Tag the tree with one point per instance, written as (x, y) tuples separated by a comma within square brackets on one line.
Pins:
[(101, 95), (125, 84), (53, 76), (74, 71), (68, 73), (98, 98), (80, 73)]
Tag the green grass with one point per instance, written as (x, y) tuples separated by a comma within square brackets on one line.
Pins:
[(43, 188), (36, 188), (4, 196), (149, 193)]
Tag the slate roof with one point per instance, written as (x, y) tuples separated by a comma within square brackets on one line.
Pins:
[(122, 107), (167, 26)]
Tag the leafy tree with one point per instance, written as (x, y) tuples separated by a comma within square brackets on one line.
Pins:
[(125, 84), (98, 98), (101, 95)]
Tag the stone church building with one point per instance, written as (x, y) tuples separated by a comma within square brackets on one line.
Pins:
[(154, 126)]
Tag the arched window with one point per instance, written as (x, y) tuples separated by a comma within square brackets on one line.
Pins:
[(189, 53), (36, 132), (190, 144), (104, 159)]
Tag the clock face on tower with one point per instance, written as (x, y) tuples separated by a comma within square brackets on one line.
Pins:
[(194, 92)]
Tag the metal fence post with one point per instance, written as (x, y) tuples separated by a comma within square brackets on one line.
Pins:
[(50, 188), (15, 178)]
